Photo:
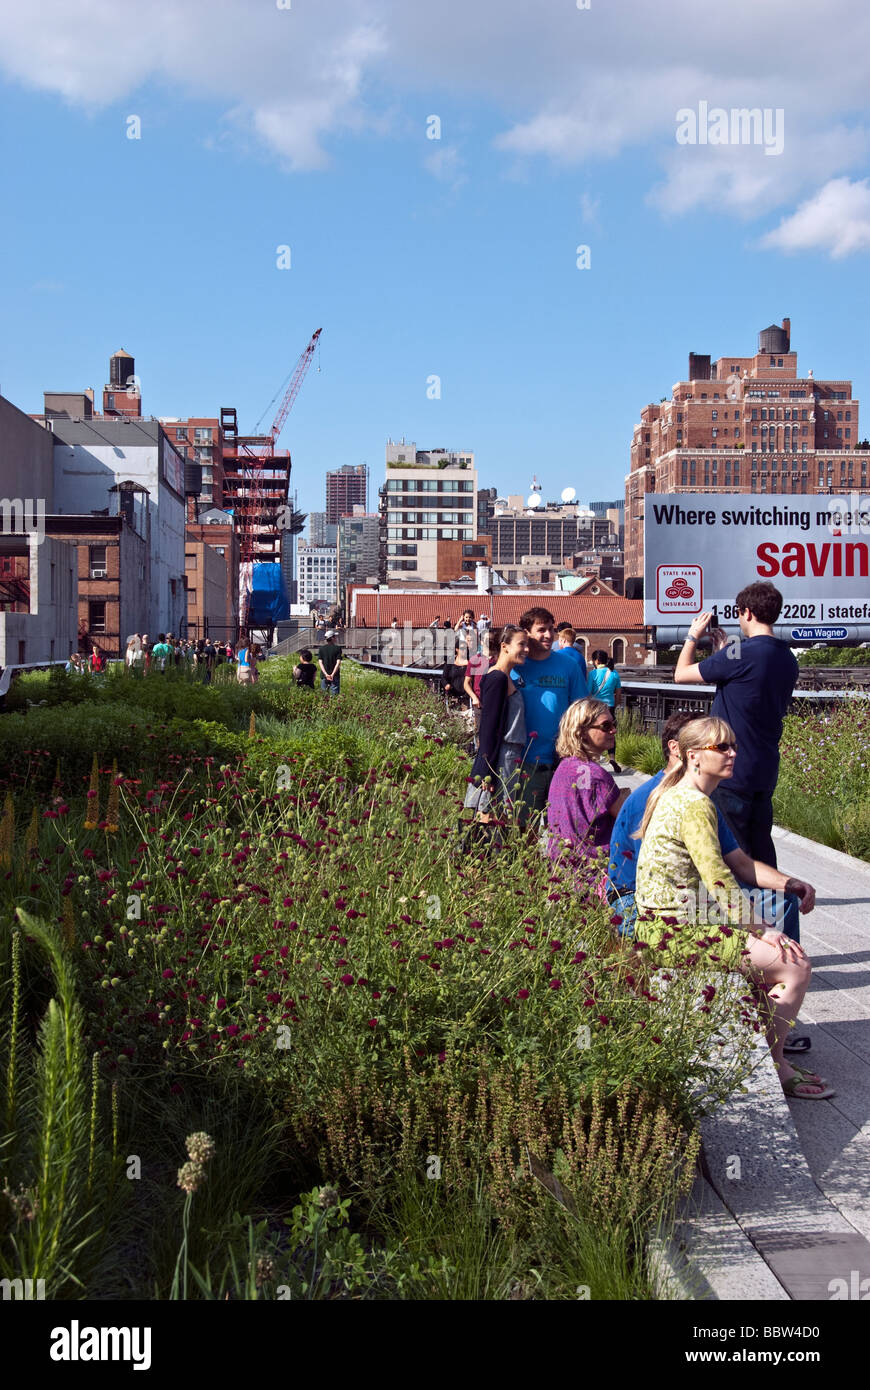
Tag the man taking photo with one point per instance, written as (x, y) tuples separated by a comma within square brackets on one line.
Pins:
[(754, 675)]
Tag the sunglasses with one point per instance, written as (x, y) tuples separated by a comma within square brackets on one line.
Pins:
[(608, 726), (719, 747)]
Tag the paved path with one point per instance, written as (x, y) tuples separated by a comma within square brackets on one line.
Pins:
[(798, 1215)]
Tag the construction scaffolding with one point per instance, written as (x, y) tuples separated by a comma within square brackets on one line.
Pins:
[(257, 486)]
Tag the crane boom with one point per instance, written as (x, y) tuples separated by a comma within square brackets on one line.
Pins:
[(293, 389)]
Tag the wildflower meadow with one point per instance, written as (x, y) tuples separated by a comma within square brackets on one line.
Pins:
[(275, 1028)]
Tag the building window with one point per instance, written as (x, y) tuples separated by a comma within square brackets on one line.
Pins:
[(110, 401), (96, 616), (202, 435), (97, 561)]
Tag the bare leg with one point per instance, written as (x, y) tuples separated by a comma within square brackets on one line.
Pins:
[(785, 977)]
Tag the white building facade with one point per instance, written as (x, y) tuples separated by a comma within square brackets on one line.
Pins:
[(317, 573), (429, 495), (90, 457)]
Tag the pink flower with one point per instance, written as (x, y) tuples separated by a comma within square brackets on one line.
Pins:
[(346, 979), (522, 994), (232, 1029), (555, 984), (168, 974), (373, 1023)]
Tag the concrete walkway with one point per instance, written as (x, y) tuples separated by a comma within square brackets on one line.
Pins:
[(783, 1209)]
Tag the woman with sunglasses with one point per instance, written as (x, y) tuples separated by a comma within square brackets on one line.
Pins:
[(690, 907), (584, 800)]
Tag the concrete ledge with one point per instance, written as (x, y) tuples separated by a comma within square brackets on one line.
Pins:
[(800, 845), (710, 1257)]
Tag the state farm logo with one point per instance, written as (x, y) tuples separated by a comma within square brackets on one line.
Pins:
[(679, 588)]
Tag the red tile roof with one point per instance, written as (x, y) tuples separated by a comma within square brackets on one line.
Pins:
[(586, 613)]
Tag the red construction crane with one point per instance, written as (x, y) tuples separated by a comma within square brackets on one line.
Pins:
[(291, 393), (257, 480)]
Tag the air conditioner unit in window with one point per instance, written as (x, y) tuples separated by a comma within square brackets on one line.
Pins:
[(98, 573)]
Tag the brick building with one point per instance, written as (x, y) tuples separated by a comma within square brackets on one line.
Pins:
[(111, 566), (346, 487), (600, 617), (211, 567), (744, 424), (200, 440)]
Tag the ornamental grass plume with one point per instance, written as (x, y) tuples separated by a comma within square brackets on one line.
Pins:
[(94, 797), (7, 833), (31, 839), (252, 726), (68, 925), (114, 798)]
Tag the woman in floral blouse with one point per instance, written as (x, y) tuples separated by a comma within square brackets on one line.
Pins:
[(681, 874)]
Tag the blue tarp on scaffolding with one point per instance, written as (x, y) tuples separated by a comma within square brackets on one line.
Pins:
[(269, 600)]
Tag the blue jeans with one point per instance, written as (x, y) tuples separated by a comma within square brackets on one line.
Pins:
[(332, 686), (779, 910)]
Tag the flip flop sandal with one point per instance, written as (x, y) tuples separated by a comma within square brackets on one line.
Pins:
[(790, 1088), (798, 1044), (811, 1077)]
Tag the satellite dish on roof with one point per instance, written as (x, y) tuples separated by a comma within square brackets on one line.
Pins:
[(534, 500), (568, 494)]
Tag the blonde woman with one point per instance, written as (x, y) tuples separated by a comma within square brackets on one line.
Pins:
[(583, 800), (681, 875)]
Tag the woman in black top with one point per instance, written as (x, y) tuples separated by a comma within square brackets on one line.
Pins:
[(502, 735), (304, 670)]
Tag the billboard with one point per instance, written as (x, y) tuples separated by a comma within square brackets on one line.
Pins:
[(700, 549), (173, 467)]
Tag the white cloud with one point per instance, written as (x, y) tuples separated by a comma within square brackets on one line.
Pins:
[(446, 164), (568, 85), (836, 220)]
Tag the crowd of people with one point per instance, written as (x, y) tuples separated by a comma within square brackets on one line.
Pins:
[(687, 860)]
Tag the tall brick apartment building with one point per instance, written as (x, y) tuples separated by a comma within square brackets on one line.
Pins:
[(346, 487), (744, 424)]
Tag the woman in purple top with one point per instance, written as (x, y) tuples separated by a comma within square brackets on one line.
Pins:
[(584, 800)]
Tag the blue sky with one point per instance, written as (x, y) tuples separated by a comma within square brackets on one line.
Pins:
[(263, 127)]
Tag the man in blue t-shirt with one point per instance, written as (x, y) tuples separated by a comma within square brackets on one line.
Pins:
[(550, 681), (782, 898), (754, 676)]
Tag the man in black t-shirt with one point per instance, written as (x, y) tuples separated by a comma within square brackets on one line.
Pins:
[(329, 661), (754, 676)]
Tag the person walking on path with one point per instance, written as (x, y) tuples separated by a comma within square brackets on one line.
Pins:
[(477, 667), (604, 682), (550, 681), (495, 771), (329, 661), (246, 671), (680, 866), (755, 676), (160, 652)]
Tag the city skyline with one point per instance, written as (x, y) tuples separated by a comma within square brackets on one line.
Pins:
[(505, 222)]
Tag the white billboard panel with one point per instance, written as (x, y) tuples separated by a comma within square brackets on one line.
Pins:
[(701, 548)]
